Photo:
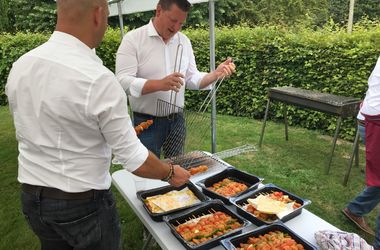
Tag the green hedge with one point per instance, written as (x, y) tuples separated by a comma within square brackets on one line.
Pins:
[(328, 61), (332, 62)]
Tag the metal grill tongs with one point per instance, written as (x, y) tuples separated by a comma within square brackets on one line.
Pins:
[(177, 68)]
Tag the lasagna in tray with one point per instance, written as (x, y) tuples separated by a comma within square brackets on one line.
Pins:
[(171, 200)]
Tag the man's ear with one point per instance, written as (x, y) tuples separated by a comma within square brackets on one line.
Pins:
[(97, 15), (158, 10)]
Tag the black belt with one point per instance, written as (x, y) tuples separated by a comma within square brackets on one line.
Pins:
[(149, 117), (57, 194)]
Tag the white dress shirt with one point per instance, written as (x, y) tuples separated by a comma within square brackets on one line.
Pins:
[(371, 103), (70, 114), (143, 55)]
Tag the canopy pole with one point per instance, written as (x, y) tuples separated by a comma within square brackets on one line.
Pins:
[(120, 19), (120, 13), (212, 68)]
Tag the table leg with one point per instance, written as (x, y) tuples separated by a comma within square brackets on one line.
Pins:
[(264, 123), (355, 150), (285, 113), (147, 242), (339, 121)]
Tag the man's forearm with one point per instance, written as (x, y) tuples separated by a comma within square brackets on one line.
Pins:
[(208, 79), (153, 168), (150, 86)]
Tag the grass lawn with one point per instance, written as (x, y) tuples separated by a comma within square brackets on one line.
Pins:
[(296, 165)]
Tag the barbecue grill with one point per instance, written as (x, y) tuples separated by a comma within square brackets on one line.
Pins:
[(339, 106)]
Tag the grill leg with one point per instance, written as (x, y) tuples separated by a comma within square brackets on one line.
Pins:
[(147, 242), (285, 112), (355, 150), (339, 121), (264, 123)]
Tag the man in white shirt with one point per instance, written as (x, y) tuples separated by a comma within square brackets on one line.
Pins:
[(156, 62), (70, 115)]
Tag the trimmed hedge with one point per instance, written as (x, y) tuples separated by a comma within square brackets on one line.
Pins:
[(327, 61)]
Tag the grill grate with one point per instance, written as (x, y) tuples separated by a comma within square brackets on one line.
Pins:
[(187, 122)]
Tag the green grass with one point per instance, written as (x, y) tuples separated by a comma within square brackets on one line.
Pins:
[(296, 165)]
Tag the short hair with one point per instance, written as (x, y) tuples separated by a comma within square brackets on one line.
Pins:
[(184, 5)]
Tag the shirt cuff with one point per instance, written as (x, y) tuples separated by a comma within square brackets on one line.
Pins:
[(140, 156), (137, 86)]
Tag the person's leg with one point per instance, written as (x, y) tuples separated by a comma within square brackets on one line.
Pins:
[(73, 224), (49, 239), (109, 224), (376, 243), (174, 144), (365, 202), (91, 224), (150, 137), (362, 205), (361, 129)]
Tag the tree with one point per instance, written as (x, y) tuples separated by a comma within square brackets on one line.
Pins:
[(4, 20), (338, 10), (31, 15)]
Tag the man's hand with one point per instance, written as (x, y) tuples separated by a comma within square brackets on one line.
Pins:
[(171, 82), (225, 69), (180, 177)]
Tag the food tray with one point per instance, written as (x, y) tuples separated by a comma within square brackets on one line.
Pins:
[(250, 180), (232, 243), (196, 158), (142, 195), (268, 188), (205, 208)]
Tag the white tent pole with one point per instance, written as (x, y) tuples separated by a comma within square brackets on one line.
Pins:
[(120, 19), (212, 68), (120, 13)]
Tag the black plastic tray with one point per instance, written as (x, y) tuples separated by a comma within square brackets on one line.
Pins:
[(250, 180), (231, 243), (142, 195), (213, 205), (268, 188)]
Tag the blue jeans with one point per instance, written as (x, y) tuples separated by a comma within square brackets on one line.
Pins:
[(361, 129), (365, 203), (166, 133), (73, 224)]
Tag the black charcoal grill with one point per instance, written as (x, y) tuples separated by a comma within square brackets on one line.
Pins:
[(339, 106)]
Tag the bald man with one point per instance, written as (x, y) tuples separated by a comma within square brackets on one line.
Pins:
[(70, 116)]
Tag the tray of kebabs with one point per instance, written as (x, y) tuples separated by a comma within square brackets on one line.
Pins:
[(204, 226), (162, 201), (199, 163), (269, 204), (229, 184), (274, 236)]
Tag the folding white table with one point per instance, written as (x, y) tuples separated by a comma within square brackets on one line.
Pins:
[(305, 224)]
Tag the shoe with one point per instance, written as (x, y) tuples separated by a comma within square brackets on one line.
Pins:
[(359, 221)]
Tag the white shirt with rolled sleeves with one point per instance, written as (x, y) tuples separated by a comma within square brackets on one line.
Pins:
[(143, 55), (70, 115), (371, 103)]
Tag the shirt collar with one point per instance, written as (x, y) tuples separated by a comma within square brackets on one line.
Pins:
[(153, 32), (70, 40)]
